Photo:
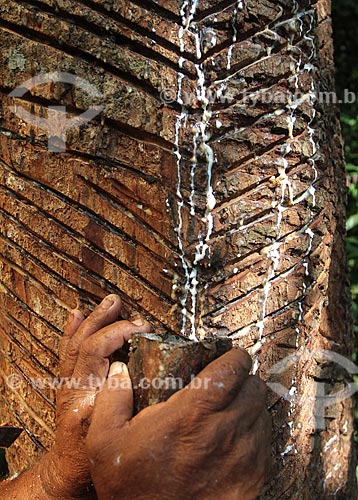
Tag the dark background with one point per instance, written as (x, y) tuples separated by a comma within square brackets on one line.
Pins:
[(345, 25)]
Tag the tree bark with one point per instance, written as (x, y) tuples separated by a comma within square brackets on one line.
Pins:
[(160, 365), (209, 194)]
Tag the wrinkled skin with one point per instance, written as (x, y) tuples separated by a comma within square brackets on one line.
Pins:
[(203, 443), (84, 352)]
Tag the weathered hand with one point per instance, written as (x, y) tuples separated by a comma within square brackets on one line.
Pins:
[(84, 366), (210, 440)]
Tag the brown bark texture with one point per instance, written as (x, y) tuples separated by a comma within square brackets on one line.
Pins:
[(209, 193), (160, 365)]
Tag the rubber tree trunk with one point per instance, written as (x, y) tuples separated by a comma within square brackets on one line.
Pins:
[(209, 193)]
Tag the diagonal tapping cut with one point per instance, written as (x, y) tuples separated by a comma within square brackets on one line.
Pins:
[(200, 134)]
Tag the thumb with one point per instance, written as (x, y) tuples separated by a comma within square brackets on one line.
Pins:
[(114, 404), (219, 383)]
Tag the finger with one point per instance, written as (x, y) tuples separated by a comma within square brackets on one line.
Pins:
[(218, 384), (252, 454), (263, 426), (73, 322), (114, 404), (267, 435), (104, 314), (95, 350), (263, 431), (250, 402)]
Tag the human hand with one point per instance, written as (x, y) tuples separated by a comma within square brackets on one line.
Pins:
[(84, 366), (210, 440)]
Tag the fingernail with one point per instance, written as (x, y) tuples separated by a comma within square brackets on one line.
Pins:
[(75, 314), (138, 322), (107, 303), (117, 368)]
